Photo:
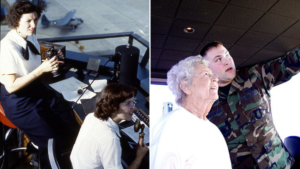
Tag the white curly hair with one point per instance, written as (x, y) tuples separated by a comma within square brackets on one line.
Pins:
[(182, 73)]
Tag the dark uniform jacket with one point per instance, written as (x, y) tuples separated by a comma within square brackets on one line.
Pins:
[(244, 114)]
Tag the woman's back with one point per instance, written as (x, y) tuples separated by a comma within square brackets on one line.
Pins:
[(97, 145)]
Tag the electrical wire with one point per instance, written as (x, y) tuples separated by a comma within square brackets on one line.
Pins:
[(89, 85)]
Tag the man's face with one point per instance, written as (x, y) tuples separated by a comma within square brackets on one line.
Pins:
[(221, 64)]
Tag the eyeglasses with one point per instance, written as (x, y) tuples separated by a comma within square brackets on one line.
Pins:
[(130, 103)]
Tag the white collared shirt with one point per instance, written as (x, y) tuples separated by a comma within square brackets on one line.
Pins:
[(181, 140), (11, 59), (97, 145)]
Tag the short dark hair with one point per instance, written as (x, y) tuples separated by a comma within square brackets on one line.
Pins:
[(109, 99), (208, 46), (19, 8)]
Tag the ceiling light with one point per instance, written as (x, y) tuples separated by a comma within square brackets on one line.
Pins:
[(189, 30)]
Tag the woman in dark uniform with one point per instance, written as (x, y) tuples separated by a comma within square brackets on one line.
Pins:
[(39, 112)]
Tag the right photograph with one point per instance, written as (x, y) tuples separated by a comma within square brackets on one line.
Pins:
[(224, 84)]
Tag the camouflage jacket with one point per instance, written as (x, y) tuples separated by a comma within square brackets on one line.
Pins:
[(244, 115)]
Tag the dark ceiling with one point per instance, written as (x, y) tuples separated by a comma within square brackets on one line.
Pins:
[(252, 30)]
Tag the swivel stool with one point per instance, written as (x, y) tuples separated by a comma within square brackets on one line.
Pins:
[(8, 128)]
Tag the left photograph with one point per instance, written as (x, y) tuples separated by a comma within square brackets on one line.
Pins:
[(74, 84)]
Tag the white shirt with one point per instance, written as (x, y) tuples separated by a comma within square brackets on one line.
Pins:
[(97, 145), (11, 59), (181, 140)]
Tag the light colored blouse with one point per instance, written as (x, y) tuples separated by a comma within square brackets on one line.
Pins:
[(98, 145), (11, 59)]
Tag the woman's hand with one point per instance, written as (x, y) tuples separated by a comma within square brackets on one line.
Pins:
[(140, 153), (142, 149), (13, 84), (49, 65)]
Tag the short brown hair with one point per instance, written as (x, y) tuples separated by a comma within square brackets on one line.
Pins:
[(109, 99), (19, 8), (208, 46)]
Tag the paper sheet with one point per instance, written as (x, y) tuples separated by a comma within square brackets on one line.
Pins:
[(70, 84), (98, 85), (135, 136), (73, 95)]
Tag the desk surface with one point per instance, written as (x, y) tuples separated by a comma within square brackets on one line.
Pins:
[(79, 61)]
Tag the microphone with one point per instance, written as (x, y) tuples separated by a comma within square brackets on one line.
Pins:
[(80, 91)]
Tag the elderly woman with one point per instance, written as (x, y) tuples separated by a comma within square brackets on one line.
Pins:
[(184, 138), (98, 143), (39, 112)]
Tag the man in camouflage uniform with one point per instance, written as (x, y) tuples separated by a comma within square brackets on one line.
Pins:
[(243, 111)]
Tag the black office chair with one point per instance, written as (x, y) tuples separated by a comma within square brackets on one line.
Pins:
[(292, 143)]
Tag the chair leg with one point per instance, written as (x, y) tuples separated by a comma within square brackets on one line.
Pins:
[(39, 160), (4, 156), (33, 150), (20, 142)]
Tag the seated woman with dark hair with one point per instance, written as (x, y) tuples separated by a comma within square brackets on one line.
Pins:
[(36, 110), (98, 142)]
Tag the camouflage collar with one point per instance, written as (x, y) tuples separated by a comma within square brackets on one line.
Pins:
[(235, 85)]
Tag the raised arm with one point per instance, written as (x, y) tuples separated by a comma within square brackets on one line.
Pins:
[(281, 69)]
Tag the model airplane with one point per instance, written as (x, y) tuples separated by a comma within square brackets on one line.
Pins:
[(68, 20)]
